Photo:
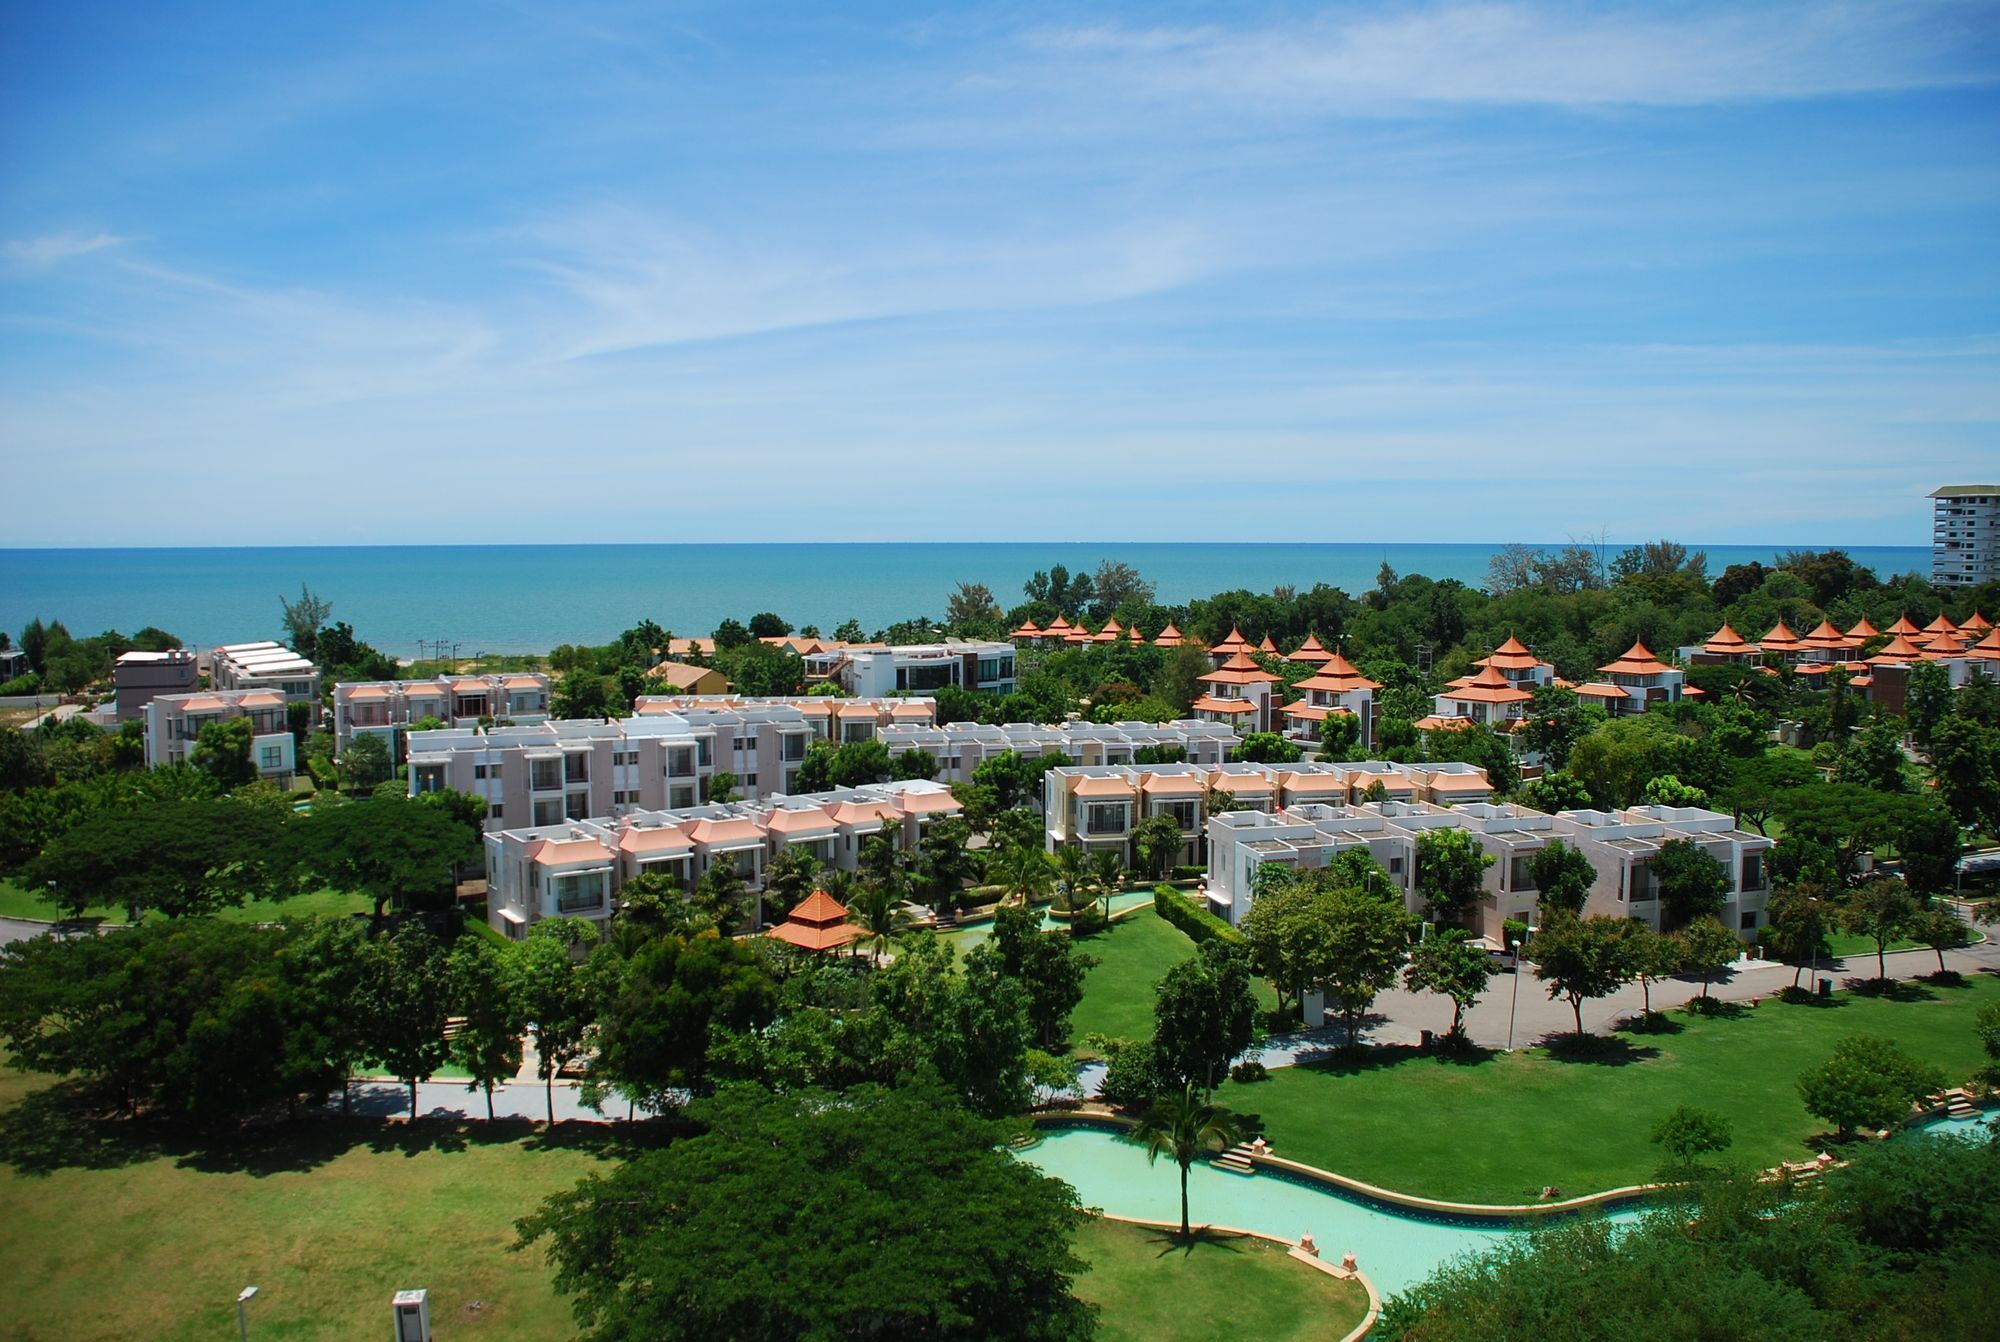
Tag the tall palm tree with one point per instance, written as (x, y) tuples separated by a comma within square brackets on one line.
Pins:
[(1073, 873), (1185, 1126), (1107, 873), (1026, 872)]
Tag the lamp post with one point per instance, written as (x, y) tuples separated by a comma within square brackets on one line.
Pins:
[(1514, 1002), (244, 1297)]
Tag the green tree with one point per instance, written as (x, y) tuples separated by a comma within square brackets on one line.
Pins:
[(660, 1005), (1867, 1083), (881, 918), (1941, 930), (1965, 765), (1562, 876), (1449, 964), (1451, 868), (1265, 748), (1882, 910), (365, 762), (766, 625), (1185, 1126), (1026, 874), (1706, 947), (945, 862), (1362, 944), (406, 1000), (1687, 1133), (1339, 736), (1928, 845), (915, 764), (1692, 884), (557, 996), (1047, 967), (1667, 790), (1156, 842), (222, 750), (903, 1215), (1927, 699), (179, 858), (1650, 957), (1554, 792), (393, 851), (1203, 1015), (792, 875), (1874, 757), (302, 621), (1582, 959), (1797, 918), (486, 997)]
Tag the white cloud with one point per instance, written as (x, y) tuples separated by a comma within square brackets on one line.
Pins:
[(1480, 53), (54, 247)]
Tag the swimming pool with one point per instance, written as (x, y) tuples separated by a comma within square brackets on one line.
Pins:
[(967, 935), (1978, 1125), (1396, 1248)]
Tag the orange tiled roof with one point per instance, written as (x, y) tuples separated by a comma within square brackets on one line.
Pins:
[(1240, 670), (1638, 661), (1903, 626), (1234, 643), (1940, 626), (1780, 639), (1208, 703), (1337, 676), (1489, 687), (1598, 690), (1727, 641), (654, 839), (1027, 630), (1513, 655), (1310, 652), (1267, 646), (1109, 785), (1170, 637), (1898, 649), (1863, 629), (1975, 621)]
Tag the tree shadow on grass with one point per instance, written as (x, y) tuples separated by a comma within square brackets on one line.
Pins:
[(1890, 990), (1203, 1237), (1806, 997), (1599, 1050), (67, 1126), (1658, 1022), (1948, 979)]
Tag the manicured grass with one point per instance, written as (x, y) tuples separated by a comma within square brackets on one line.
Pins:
[(1149, 1288), (1500, 1128), (327, 1220), (16, 902), (1133, 953)]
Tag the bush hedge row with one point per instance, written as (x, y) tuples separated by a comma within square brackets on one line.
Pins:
[(1190, 917)]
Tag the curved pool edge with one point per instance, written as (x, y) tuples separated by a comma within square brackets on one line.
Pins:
[(1389, 1197), (1369, 1317)]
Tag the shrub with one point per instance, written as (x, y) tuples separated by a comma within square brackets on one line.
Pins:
[(1249, 1070), (1189, 873), (1132, 1076), (1191, 918), (323, 773)]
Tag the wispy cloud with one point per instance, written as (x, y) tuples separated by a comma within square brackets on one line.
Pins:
[(1473, 53), (52, 248)]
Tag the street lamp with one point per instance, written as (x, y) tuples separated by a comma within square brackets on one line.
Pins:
[(1514, 1002), (244, 1297)]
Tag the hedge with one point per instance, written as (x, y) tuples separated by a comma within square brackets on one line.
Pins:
[(1190, 917), (322, 771)]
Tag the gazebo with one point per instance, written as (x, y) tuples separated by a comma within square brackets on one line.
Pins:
[(818, 924)]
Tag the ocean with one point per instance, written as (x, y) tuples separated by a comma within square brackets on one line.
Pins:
[(529, 598)]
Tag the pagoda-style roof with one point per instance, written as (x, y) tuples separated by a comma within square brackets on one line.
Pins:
[(1825, 638), (1637, 661), (1726, 642), (1209, 703), (1267, 646), (1134, 637), (1027, 630), (1898, 649), (1109, 633), (819, 923), (1903, 626), (1080, 633), (1863, 629), (1975, 623), (1943, 646), (1240, 670), (1940, 626), (1780, 639), (1234, 643), (1489, 687), (1337, 676), (1170, 637), (1310, 652), (1513, 655), (1057, 627), (1599, 690)]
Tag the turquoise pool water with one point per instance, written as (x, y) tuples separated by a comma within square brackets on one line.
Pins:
[(1396, 1249), (1976, 1126)]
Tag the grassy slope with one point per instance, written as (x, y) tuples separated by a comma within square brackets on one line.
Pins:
[(1133, 954), (16, 902), (1152, 1290), (1500, 1129), (327, 1227)]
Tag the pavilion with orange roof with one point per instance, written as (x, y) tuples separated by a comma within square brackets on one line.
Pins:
[(819, 923), (1903, 626), (1229, 646), (1644, 678), (1862, 629), (1170, 637), (1336, 687), (1027, 632), (1782, 641), (1726, 645), (1109, 633), (1489, 697)]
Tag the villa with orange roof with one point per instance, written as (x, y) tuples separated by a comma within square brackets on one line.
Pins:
[(1170, 637), (1310, 652), (1335, 687), (872, 671), (1724, 646), (1635, 682), (386, 708), (575, 867), (1239, 695), (173, 722)]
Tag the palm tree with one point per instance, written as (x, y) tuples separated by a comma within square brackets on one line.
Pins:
[(1072, 871), (1185, 1126), (1025, 872), (880, 917), (1107, 873)]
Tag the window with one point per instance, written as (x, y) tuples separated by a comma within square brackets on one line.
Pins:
[(271, 757), (1105, 818), (495, 811), (479, 771), (701, 752), (577, 806), (544, 775), (1520, 876), (1642, 884), (746, 743), (579, 892), (576, 767), (1183, 813), (682, 796), (750, 780), (680, 760), (548, 812), (1750, 922), (1753, 871), (1395, 866), (795, 747)]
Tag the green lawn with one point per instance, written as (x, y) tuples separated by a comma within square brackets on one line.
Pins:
[(1151, 1289), (1133, 953), (16, 902), (1499, 1129), (327, 1223)]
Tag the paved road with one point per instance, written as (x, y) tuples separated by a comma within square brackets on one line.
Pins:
[(512, 1099)]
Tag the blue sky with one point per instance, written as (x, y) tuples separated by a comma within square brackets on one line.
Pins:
[(508, 273)]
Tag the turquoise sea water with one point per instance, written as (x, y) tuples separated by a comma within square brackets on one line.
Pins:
[(528, 598)]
